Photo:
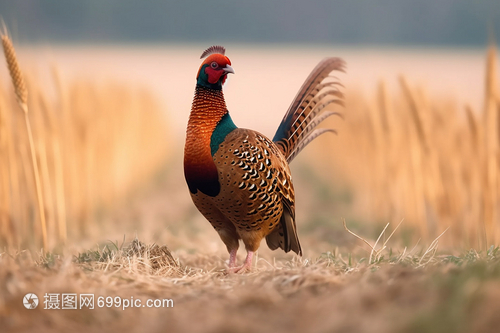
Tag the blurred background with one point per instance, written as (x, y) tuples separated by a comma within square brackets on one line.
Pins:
[(444, 23), (111, 84)]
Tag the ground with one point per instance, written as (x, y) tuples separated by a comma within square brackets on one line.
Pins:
[(451, 294)]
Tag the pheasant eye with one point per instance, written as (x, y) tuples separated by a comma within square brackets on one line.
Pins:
[(214, 65)]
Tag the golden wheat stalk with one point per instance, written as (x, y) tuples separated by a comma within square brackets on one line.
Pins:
[(15, 73), (5, 226), (22, 98), (417, 117), (491, 131)]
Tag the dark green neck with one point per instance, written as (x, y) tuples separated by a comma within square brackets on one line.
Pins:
[(223, 128), (203, 80)]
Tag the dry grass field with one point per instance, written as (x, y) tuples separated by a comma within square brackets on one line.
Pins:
[(101, 207), (431, 161), (71, 153)]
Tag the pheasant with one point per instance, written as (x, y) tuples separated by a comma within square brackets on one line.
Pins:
[(238, 178)]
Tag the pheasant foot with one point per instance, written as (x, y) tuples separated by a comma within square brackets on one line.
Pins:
[(247, 265)]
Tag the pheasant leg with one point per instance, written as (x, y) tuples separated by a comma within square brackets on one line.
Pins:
[(232, 258), (247, 265)]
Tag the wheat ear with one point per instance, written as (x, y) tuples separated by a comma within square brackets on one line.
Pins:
[(22, 98)]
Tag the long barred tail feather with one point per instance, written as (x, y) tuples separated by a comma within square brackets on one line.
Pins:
[(307, 110), (312, 116), (312, 125), (317, 132)]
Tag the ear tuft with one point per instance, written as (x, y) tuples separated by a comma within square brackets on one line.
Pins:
[(213, 49)]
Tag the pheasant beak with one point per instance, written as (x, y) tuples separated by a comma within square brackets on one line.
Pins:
[(228, 69)]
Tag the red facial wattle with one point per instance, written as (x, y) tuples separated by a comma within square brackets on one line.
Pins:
[(214, 74)]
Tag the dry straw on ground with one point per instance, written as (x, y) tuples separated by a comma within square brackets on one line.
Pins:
[(329, 293)]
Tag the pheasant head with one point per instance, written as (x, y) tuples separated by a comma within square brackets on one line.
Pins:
[(213, 71)]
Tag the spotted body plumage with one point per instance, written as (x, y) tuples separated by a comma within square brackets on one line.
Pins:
[(238, 178), (256, 186)]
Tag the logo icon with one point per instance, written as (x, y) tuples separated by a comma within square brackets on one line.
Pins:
[(30, 301)]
